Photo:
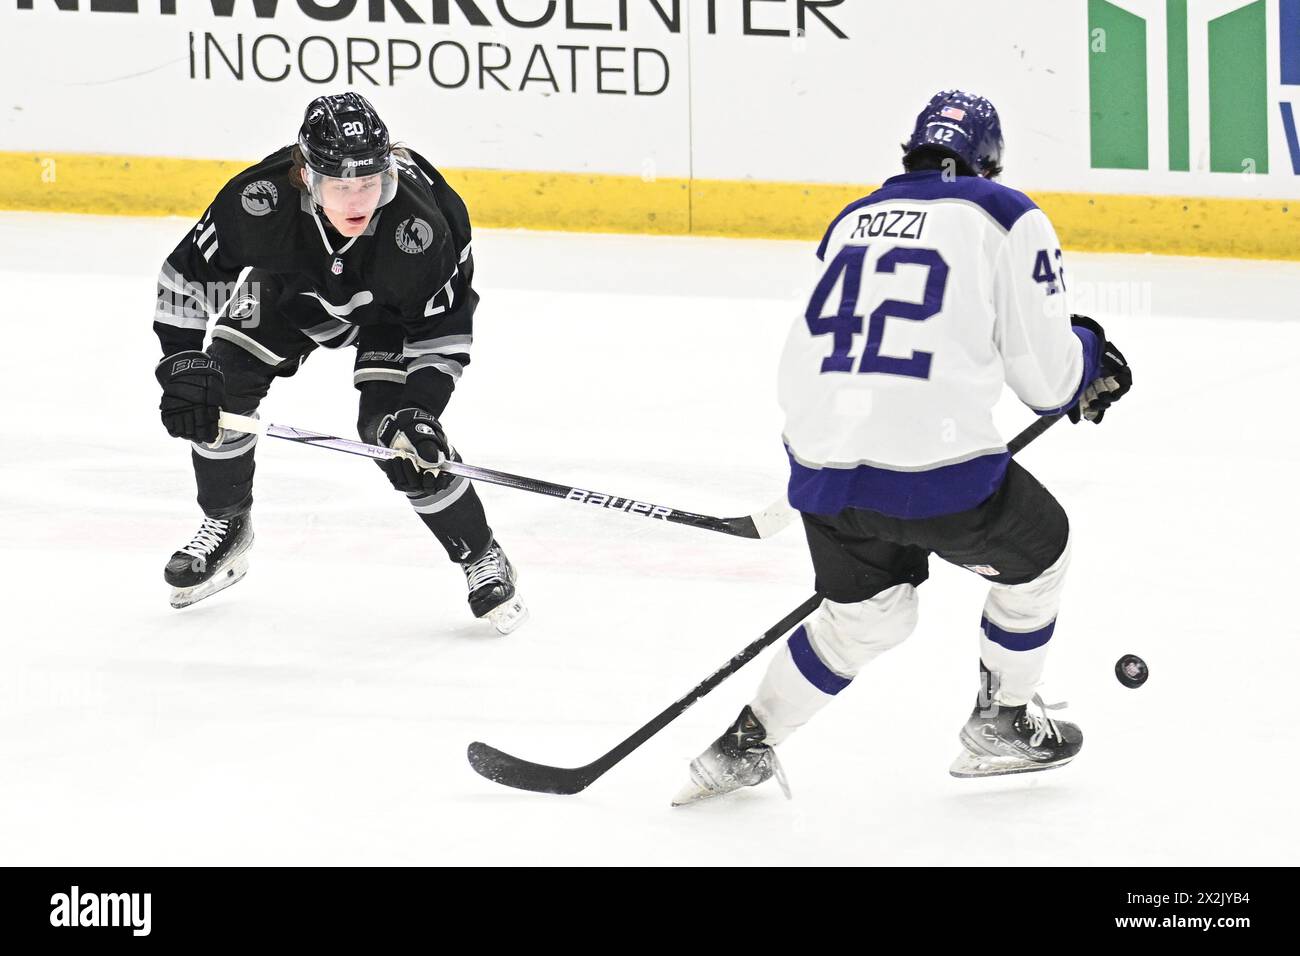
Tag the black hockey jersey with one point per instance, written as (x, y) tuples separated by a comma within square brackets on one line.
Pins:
[(412, 267)]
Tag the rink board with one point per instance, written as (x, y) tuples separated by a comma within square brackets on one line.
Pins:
[(1138, 125)]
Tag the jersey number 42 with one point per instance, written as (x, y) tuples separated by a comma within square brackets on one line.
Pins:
[(845, 322)]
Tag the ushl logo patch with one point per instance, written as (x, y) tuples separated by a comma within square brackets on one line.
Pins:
[(337, 268), (243, 307), (985, 569), (414, 235), (259, 198)]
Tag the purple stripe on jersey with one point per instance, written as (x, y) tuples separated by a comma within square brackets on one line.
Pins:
[(1091, 369), (1004, 204), (944, 490), (811, 666), (1014, 641)]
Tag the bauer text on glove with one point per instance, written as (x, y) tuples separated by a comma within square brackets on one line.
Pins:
[(1114, 378)]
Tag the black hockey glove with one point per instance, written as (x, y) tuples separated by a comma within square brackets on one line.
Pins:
[(417, 433), (1113, 380), (193, 392)]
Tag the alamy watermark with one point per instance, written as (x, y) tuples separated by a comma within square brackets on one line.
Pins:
[(1110, 298), (237, 303), (75, 909)]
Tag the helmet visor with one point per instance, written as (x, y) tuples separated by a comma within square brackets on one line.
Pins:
[(360, 192)]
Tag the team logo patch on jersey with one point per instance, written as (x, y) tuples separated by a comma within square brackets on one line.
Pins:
[(243, 307), (259, 198), (985, 569), (414, 236)]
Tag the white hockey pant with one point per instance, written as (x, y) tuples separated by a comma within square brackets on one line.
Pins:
[(826, 652), (1016, 630)]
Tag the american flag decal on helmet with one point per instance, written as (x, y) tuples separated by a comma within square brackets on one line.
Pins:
[(953, 112)]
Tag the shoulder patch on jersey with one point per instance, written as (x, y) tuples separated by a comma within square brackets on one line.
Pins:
[(260, 198), (243, 307), (414, 235)]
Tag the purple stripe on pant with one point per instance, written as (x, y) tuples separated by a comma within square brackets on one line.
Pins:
[(1017, 640), (811, 666)]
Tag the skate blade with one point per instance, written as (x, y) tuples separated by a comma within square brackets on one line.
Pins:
[(509, 616), (693, 793), (969, 765), (232, 574)]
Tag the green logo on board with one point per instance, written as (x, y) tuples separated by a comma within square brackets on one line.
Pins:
[(1231, 64)]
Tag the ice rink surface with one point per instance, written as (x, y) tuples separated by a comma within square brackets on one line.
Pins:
[(318, 712)]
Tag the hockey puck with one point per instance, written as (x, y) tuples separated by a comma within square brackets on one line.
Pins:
[(1131, 671)]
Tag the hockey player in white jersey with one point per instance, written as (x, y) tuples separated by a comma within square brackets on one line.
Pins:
[(937, 289)]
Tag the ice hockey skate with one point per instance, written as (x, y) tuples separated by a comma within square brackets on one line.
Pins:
[(738, 758), (1002, 740), (216, 558), (491, 580)]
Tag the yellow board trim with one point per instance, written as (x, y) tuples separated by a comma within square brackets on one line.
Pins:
[(596, 202), (574, 202)]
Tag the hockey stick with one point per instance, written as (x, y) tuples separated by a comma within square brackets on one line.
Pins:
[(524, 775), (1032, 432), (502, 768), (760, 524)]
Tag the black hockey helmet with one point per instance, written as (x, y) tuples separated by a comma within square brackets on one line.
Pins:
[(342, 137)]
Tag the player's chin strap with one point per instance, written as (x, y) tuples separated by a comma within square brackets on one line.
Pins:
[(761, 524)]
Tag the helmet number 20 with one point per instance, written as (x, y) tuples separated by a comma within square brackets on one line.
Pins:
[(845, 323), (354, 129)]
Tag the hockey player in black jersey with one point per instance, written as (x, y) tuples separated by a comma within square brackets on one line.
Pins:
[(350, 242)]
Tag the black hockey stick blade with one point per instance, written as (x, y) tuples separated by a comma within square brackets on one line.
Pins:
[(500, 767)]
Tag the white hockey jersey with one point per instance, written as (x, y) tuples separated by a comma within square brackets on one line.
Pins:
[(934, 294)]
